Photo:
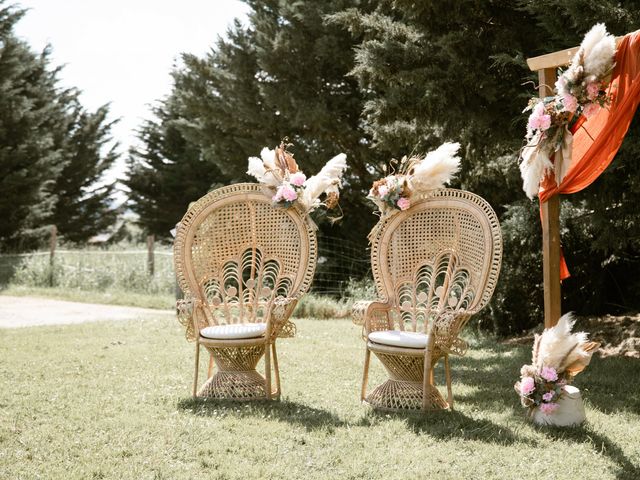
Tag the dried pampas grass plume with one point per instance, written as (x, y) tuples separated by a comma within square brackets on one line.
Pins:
[(436, 169), (562, 350), (329, 177)]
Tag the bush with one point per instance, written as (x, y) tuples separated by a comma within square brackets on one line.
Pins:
[(96, 270)]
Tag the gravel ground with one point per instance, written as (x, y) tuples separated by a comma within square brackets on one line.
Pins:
[(31, 311)]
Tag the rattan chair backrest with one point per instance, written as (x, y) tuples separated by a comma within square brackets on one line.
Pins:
[(443, 254), (235, 251)]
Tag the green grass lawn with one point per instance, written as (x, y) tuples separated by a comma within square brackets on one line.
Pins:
[(111, 400)]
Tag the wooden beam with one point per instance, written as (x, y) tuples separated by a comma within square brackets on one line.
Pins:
[(550, 230), (556, 59)]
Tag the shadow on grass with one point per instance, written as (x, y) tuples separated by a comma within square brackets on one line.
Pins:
[(283, 410), (442, 425), (609, 385), (446, 425), (605, 383), (627, 469)]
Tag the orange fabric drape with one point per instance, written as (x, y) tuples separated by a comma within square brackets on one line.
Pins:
[(596, 140)]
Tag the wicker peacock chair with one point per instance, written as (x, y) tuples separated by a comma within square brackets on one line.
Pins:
[(435, 265), (242, 264)]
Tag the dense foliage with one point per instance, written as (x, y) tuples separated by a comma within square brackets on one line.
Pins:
[(380, 79), (52, 151), (285, 74), (166, 173), (439, 71)]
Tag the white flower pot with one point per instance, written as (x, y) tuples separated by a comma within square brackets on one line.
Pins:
[(570, 410)]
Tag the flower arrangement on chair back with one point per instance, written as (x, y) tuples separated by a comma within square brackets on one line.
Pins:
[(287, 185), (415, 176)]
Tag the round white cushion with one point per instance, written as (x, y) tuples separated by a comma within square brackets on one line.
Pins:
[(234, 331), (397, 338)]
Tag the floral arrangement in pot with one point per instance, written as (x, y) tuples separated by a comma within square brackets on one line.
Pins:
[(415, 176), (580, 91), (287, 185), (558, 356)]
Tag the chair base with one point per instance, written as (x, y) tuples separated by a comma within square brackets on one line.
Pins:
[(241, 386), (394, 395), (236, 377)]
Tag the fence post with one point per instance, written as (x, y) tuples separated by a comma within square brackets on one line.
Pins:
[(53, 240), (150, 255)]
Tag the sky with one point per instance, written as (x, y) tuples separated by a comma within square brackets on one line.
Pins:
[(121, 51)]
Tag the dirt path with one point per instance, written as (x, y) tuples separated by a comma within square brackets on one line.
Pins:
[(32, 311)]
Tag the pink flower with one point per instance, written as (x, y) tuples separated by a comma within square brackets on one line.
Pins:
[(297, 179), (527, 385), (538, 120), (593, 89), (278, 196), (548, 408), (569, 102), (403, 203), (547, 397), (288, 193), (383, 190), (591, 109), (549, 374)]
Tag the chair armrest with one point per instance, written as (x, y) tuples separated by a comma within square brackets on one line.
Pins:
[(447, 326), (372, 315), (363, 309), (185, 311), (278, 324)]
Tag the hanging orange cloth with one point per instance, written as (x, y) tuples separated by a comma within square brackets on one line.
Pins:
[(596, 140)]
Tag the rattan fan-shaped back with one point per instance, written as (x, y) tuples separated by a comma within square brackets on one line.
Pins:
[(240, 261), (434, 265)]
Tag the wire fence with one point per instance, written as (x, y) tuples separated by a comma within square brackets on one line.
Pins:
[(150, 269)]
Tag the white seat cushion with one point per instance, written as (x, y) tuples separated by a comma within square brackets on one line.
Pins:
[(234, 331), (396, 338)]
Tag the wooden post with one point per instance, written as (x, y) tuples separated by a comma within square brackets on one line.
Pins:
[(150, 255), (550, 230), (53, 240)]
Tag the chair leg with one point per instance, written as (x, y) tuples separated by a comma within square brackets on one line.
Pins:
[(210, 371), (195, 376), (276, 369), (267, 371), (365, 374), (448, 375), (427, 384)]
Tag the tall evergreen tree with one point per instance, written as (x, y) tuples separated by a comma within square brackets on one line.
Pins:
[(32, 111), (456, 70), (52, 152), (84, 204), (284, 74), (166, 173)]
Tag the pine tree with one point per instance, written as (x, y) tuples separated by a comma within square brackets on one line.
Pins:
[(53, 153), (84, 204), (456, 70), (32, 113), (166, 173), (284, 74)]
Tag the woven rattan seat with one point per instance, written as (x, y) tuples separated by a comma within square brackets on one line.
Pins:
[(240, 260), (435, 265)]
